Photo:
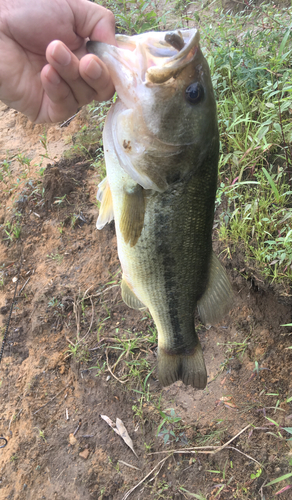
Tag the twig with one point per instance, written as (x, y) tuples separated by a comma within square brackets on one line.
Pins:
[(92, 317), (212, 450), (51, 399), (76, 309), (109, 369), (146, 477), (67, 122), (232, 439), (261, 489), (129, 465), (23, 286), (60, 474), (245, 454), (77, 428)]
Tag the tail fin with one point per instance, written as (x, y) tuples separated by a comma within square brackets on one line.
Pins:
[(190, 368)]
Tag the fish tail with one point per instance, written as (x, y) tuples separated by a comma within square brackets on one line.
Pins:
[(190, 368)]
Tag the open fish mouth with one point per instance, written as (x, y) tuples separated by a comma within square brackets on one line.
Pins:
[(149, 58)]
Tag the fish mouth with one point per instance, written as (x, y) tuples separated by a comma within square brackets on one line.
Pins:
[(150, 58)]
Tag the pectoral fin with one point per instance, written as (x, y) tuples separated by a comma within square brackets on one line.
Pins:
[(133, 211), (217, 299), (130, 298), (106, 212)]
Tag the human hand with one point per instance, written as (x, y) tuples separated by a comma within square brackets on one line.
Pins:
[(33, 34)]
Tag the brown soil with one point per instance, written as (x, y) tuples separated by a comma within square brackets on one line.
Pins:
[(68, 289)]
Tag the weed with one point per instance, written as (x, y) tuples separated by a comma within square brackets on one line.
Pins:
[(56, 256), (137, 16), (198, 496), (13, 458), (257, 474), (78, 352), (54, 302), (41, 434), (61, 228), (167, 426), (60, 200), (12, 231)]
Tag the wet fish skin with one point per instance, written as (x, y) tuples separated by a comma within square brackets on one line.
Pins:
[(162, 160)]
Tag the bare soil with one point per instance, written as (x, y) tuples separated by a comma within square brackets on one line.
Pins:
[(52, 386)]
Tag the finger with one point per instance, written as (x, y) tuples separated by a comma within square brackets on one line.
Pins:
[(58, 101), (66, 65), (96, 75)]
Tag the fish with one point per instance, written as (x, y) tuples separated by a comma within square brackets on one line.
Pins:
[(161, 147)]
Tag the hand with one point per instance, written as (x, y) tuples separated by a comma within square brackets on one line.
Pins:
[(34, 33)]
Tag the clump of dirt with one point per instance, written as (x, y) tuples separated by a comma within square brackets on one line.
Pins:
[(75, 351)]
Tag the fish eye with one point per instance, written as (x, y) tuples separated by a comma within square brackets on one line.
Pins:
[(194, 93)]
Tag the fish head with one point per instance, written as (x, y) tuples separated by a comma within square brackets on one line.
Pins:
[(166, 113)]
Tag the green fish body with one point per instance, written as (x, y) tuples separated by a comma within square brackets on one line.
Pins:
[(161, 148)]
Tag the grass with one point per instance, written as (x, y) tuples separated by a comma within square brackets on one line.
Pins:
[(253, 84), (250, 56)]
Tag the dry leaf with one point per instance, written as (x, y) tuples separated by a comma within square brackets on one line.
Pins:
[(124, 435), (109, 422), (121, 430)]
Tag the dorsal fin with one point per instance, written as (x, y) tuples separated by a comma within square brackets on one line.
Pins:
[(217, 299)]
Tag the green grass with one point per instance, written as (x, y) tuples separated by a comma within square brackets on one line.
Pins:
[(252, 78), (250, 57)]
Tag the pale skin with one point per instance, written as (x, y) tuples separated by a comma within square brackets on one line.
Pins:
[(45, 71)]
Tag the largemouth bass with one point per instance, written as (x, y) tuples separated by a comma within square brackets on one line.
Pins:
[(161, 150)]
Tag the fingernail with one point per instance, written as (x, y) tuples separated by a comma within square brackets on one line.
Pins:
[(61, 55), (93, 70)]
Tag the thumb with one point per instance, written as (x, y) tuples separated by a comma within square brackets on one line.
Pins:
[(93, 21)]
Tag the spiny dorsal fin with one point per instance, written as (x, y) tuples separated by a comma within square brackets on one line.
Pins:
[(133, 211), (217, 299), (106, 211), (130, 298)]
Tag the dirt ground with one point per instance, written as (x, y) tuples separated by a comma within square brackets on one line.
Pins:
[(75, 351)]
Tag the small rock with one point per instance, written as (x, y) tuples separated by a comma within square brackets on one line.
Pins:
[(72, 439), (84, 454)]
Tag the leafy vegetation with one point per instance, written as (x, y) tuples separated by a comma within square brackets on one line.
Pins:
[(250, 55)]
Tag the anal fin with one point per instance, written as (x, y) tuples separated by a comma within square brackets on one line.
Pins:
[(106, 211), (130, 298), (217, 299), (133, 211)]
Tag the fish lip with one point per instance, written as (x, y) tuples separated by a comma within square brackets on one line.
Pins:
[(162, 69)]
